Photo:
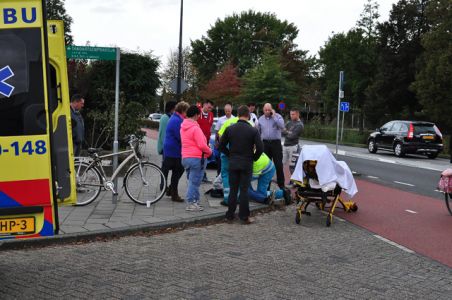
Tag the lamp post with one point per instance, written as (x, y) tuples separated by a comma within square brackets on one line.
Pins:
[(179, 63)]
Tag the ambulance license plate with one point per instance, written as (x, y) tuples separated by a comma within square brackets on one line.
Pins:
[(17, 225)]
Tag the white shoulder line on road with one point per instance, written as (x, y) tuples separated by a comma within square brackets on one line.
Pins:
[(404, 183), (411, 211), (393, 244), (387, 161), (373, 177)]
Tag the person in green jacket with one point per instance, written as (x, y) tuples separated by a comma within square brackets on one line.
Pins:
[(263, 171), (169, 110)]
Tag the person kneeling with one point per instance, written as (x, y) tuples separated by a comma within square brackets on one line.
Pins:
[(263, 171)]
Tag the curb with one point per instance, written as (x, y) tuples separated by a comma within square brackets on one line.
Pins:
[(148, 229)]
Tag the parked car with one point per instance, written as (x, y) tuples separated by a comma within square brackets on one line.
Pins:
[(407, 137), (155, 117)]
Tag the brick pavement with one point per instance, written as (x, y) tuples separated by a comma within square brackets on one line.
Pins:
[(102, 214), (272, 259)]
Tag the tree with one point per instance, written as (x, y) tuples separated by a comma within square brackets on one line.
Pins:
[(223, 87), (433, 83), (268, 82), (349, 53), (240, 39), (56, 11), (189, 75), (139, 79), (399, 46)]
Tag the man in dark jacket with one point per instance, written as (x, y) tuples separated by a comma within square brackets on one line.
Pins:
[(78, 125), (245, 147)]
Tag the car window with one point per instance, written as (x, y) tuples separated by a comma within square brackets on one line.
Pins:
[(423, 128), (387, 126), (403, 127)]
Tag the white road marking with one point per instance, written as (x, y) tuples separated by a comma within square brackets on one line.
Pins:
[(404, 183), (393, 244), (387, 161), (411, 211), (341, 152), (373, 177), (438, 191)]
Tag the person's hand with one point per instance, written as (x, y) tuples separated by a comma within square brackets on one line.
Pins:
[(273, 112)]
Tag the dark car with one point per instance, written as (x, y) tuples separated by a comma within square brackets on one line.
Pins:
[(407, 137)]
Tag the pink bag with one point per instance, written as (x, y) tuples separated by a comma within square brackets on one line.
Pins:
[(445, 184)]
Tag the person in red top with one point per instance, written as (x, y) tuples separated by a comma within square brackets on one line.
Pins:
[(205, 121)]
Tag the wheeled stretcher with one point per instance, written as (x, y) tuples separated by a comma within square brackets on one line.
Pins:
[(320, 179)]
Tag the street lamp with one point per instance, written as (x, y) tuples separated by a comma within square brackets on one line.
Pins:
[(179, 63)]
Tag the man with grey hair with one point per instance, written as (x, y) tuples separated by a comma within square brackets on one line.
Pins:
[(270, 127), (227, 115)]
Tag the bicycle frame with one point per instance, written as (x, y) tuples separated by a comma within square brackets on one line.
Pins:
[(98, 158)]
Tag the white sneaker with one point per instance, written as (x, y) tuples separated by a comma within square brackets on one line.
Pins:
[(194, 207)]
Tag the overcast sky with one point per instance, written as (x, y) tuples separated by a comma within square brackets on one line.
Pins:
[(154, 24)]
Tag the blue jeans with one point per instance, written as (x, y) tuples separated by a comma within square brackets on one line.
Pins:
[(225, 176), (196, 172), (263, 182)]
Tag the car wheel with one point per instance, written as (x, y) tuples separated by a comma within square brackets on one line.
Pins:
[(398, 150), (371, 146), (432, 155)]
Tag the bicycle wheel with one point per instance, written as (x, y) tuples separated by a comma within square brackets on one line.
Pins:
[(448, 199), (89, 183), (147, 187)]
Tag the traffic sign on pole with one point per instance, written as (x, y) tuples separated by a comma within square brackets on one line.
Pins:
[(282, 105), (345, 106), (88, 52)]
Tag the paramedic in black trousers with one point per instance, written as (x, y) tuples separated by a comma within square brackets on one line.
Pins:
[(245, 147)]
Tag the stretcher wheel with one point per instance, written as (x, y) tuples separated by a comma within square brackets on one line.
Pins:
[(354, 208), (328, 220), (297, 218)]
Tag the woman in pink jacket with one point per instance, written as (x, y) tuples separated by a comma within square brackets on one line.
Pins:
[(195, 152)]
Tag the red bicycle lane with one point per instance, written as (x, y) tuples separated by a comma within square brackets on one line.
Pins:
[(416, 222)]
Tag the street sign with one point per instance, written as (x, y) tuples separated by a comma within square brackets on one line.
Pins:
[(282, 105), (88, 52), (183, 85), (345, 106), (5, 88)]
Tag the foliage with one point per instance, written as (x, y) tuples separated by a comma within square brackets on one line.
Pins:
[(399, 46), (240, 39), (138, 80), (96, 81), (352, 53), (268, 82), (223, 87), (189, 74), (433, 83), (55, 11)]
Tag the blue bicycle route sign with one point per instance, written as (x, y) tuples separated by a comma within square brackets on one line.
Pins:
[(345, 106)]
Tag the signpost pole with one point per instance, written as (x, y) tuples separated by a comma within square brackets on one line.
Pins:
[(116, 143), (342, 130), (339, 96)]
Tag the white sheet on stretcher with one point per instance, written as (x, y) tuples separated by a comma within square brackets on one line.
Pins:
[(328, 169)]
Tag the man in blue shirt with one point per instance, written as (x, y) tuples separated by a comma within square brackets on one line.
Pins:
[(270, 126)]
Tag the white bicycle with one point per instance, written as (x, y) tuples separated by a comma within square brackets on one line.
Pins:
[(144, 182)]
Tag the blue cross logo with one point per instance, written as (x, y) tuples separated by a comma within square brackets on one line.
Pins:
[(5, 88)]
